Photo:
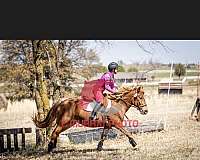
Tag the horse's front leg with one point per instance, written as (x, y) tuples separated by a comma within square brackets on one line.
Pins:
[(128, 134), (103, 137)]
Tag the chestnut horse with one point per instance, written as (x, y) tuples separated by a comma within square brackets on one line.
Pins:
[(70, 110)]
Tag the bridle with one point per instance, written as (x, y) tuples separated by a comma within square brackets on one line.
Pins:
[(139, 108), (128, 104), (131, 105)]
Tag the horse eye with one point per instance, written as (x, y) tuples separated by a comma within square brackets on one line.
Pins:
[(140, 96)]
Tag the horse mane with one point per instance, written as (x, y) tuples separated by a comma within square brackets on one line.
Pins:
[(122, 91)]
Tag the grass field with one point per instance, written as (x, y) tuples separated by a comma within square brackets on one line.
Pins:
[(178, 141), (159, 74)]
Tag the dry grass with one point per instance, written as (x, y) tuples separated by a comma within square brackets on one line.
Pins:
[(178, 141)]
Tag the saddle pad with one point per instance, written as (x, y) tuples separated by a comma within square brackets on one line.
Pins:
[(109, 106), (91, 105)]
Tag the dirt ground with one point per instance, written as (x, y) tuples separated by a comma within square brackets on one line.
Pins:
[(178, 141)]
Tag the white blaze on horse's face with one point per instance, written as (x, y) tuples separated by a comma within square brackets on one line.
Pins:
[(139, 100)]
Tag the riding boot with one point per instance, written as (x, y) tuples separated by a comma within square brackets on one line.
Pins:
[(95, 110)]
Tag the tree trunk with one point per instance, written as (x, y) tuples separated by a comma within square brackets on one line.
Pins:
[(54, 76), (41, 95), (40, 133)]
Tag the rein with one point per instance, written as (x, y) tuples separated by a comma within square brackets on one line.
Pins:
[(126, 116), (119, 98)]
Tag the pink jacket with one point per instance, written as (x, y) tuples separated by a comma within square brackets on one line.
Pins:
[(109, 81), (93, 90)]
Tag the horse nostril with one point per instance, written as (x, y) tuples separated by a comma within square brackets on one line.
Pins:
[(145, 112)]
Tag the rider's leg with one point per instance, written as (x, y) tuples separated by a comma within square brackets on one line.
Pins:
[(98, 105), (95, 110)]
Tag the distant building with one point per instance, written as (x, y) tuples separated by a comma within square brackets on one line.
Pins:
[(128, 77)]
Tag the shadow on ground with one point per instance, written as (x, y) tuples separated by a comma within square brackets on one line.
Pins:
[(41, 153)]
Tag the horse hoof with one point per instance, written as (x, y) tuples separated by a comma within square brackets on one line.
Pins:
[(132, 142), (50, 146), (136, 149), (100, 146)]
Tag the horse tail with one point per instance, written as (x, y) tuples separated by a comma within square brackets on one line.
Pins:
[(51, 116)]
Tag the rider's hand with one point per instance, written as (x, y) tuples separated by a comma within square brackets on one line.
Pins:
[(114, 93)]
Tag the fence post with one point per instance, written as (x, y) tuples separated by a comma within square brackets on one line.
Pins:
[(14, 132), (23, 138), (16, 141), (1, 143), (8, 142)]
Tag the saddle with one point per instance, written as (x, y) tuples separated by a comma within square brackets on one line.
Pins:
[(89, 105)]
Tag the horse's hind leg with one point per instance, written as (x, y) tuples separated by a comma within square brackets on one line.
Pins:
[(131, 140), (54, 136)]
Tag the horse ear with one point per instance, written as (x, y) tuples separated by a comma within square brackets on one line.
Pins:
[(138, 89)]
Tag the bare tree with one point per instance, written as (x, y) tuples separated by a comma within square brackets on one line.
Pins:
[(151, 46)]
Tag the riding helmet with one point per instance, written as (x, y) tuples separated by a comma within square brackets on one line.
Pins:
[(112, 65)]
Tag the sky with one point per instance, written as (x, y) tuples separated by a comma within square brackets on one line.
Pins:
[(180, 51)]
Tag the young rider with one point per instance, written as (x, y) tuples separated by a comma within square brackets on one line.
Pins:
[(109, 85)]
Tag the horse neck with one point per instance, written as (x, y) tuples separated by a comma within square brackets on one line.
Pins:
[(124, 107), (126, 102)]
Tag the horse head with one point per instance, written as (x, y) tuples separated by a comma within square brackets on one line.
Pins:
[(134, 97), (138, 100)]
